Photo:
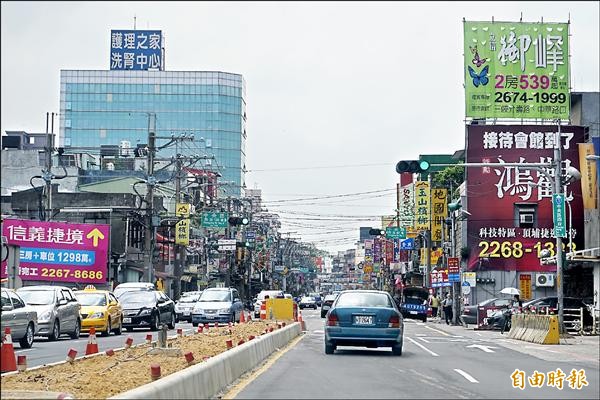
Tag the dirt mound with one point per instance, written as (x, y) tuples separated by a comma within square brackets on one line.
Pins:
[(103, 376)]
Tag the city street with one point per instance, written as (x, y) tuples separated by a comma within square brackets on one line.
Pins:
[(438, 362)]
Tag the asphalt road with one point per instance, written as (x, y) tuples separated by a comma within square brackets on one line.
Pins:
[(437, 362), (44, 351)]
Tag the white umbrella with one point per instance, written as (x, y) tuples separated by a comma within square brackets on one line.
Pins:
[(511, 290)]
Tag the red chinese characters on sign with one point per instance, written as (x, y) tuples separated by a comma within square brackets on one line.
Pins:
[(439, 278)]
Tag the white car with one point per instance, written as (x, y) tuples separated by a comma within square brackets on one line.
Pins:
[(185, 305)]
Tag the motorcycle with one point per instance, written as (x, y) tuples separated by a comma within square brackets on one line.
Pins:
[(501, 319)]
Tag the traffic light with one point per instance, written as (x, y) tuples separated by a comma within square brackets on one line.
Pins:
[(454, 206), (376, 232), (412, 166), (235, 221)]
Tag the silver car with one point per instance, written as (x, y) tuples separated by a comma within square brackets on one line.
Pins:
[(19, 317), (57, 308)]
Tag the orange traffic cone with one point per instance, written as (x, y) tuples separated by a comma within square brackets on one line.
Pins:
[(92, 345), (8, 360), (263, 310), (243, 318), (302, 324)]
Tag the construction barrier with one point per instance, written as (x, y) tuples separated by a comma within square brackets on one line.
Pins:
[(280, 309), (541, 329)]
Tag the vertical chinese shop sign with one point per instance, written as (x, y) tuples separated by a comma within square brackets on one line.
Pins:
[(516, 70), (422, 211), (59, 251)]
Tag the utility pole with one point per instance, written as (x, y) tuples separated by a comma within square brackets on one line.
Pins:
[(47, 175), (179, 250), (149, 235), (558, 189), (228, 254)]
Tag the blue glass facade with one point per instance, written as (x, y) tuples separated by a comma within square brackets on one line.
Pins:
[(107, 107)]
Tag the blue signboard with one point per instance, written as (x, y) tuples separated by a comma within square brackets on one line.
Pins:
[(453, 277), (135, 50), (407, 244)]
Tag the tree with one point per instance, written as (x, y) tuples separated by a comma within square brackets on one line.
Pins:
[(450, 177)]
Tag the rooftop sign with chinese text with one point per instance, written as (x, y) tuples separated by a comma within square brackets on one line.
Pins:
[(59, 251), (516, 70), (135, 50)]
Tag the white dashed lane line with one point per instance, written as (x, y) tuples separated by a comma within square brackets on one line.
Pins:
[(466, 376), (423, 347)]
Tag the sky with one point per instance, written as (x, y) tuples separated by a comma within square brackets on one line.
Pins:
[(337, 92)]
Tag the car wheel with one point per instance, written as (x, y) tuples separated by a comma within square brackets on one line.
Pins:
[(55, 334), (424, 319), (27, 341), (323, 314), (177, 319), (397, 349), (329, 348), (155, 323), (172, 322), (108, 329), (129, 329), (75, 334), (119, 329)]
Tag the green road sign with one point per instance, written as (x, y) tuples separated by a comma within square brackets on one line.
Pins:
[(394, 232), (214, 219), (558, 212)]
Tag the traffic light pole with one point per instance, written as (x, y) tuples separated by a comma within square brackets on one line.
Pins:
[(559, 243), (150, 234)]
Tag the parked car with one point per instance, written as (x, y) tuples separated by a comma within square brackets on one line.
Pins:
[(469, 314), (368, 318), (19, 317), (57, 308), (217, 305), (414, 302), (101, 310), (185, 305), (147, 309), (308, 302), (327, 303), (273, 294), (132, 286), (551, 304)]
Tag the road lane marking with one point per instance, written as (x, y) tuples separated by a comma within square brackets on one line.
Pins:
[(423, 339), (466, 376), (487, 349), (437, 330), (22, 351), (477, 333), (249, 377), (423, 347), (318, 332), (421, 334)]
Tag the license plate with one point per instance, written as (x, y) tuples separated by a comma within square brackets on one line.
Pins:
[(363, 320), (126, 320), (325, 307), (413, 312), (210, 317), (186, 313)]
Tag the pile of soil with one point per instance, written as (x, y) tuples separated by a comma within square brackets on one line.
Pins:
[(103, 376)]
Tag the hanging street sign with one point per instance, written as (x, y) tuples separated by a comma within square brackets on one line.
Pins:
[(394, 232), (214, 219), (558, 212)]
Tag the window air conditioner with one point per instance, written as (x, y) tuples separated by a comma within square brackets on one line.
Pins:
[(544, 280), (526, 218)]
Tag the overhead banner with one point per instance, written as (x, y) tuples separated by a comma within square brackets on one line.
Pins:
[(439, 209), (511, 218), (407, 206), (422, 211), (516, 70), (58, 251)]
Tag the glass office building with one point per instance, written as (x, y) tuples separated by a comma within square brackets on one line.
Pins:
[(111, 107)]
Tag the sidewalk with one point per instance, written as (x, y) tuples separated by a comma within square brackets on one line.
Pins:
[(574, 349)]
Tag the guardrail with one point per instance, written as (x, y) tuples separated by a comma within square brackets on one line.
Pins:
[(541, 329)]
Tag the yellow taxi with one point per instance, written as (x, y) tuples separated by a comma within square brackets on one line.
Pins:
[(100, 309)]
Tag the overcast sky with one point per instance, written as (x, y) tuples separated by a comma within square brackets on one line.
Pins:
[(355, 86)]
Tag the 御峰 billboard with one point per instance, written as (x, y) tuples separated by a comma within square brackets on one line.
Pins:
[(516, 70), (510, 221), (58, 251)]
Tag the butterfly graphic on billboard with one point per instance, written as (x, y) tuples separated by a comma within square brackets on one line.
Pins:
[(479, 78), (476, 59)]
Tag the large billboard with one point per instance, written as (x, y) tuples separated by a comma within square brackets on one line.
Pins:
[(135, 50), (510, 220), (58, 251), (516, 70)]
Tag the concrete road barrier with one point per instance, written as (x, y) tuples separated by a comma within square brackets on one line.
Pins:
[(541, 329), (207, 379)]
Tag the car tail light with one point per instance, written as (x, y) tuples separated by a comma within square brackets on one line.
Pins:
[(394, 321), (332, 319)]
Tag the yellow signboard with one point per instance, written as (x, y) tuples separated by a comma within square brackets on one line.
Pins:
[(525, 286), (439, 209), (435, 256), (182, 229), (588, 176), (422, 199)]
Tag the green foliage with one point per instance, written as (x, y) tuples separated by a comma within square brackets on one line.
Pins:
[(449, 177)]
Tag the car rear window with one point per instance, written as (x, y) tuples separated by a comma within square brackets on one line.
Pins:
[(358, 299)]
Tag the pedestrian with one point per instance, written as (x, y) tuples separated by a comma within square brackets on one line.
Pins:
[(517, 301), (434, 304), (447, 303)]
